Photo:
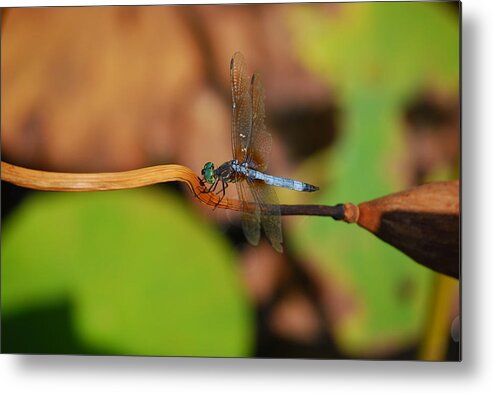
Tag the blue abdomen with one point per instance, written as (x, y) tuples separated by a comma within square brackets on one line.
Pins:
[(282, 181)]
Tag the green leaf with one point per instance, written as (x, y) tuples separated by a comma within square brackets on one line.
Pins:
[(143, 273), (375, 56)]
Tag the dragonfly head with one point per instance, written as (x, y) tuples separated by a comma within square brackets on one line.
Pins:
[(208, 173)]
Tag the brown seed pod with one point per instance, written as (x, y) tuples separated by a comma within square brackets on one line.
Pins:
[(423, 222)]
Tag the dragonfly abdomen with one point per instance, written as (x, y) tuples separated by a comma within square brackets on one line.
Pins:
[(281, 181)]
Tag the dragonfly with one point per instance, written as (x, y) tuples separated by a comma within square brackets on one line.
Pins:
[(251, 145)]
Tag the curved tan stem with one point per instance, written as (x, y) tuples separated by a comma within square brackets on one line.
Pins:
[(77, 182), (105, 181)]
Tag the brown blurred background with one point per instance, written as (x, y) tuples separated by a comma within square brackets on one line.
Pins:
[(116, 88)]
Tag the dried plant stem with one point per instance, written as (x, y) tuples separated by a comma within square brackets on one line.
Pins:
[(77, 182), (437, 330), (423, 222)]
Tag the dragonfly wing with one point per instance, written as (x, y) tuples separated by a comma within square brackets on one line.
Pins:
[(250, 215), (252, 143), (261, 140), (241, 126), (270, 212)]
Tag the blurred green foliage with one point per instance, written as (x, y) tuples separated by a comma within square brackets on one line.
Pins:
[(124, 272), (375, 57)]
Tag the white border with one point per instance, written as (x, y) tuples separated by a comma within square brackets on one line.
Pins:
[(86, 373)]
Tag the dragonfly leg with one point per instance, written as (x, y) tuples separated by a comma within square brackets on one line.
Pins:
[(225, 185), (223, 189), (213, 187), (204, 184)]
